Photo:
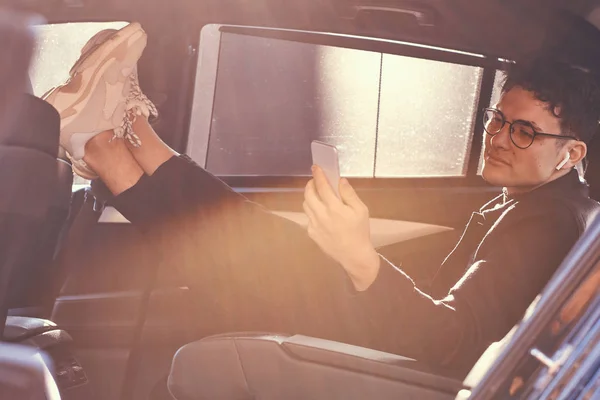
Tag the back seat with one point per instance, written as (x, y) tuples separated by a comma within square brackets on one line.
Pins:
[(249, 366)]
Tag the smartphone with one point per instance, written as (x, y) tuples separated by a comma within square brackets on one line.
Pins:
[(17, 38), (326, 156)]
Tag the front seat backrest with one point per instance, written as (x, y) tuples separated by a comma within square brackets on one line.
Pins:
[(28, 176), (32, 286)]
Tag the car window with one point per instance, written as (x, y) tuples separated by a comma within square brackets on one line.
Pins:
[(273, 97), (58, 47), (427, 115), (389, 115)]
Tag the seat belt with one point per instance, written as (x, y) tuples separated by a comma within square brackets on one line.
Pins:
[(134, 361)]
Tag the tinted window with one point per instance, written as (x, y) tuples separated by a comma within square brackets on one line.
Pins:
[(274, 97), (426, 117), (389, 116)]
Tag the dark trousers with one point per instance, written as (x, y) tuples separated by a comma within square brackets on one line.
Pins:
[(249, 270)]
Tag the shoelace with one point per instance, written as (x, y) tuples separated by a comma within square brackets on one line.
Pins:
[(137, 103)]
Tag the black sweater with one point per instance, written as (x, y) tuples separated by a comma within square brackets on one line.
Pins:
[(506, 255)]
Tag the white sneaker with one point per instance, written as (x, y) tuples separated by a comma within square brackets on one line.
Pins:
[(137, 104), (102, 93)]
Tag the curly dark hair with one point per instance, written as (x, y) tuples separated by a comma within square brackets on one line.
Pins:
[(573, 91)]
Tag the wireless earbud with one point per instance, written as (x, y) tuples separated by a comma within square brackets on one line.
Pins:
[(563, 162)]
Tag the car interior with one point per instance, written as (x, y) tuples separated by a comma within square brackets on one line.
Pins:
[(243, 87)]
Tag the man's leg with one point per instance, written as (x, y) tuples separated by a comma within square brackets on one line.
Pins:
[(154, 152), (248, 268), (113, 162)]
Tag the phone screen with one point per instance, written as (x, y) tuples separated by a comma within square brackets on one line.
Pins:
[(326, 156)]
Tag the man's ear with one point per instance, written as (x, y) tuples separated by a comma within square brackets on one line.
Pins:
[(577, 152)]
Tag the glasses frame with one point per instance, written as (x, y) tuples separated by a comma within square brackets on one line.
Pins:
[(511, 129)]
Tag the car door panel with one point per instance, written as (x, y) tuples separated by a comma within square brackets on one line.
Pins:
[(100, 320), (104, 329)]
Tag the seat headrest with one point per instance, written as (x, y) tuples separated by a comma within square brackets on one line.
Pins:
[(38, 126)]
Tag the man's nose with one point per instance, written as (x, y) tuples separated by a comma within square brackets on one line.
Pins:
[(501, 140)]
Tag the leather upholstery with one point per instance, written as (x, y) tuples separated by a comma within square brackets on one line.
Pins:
[(244, 366)]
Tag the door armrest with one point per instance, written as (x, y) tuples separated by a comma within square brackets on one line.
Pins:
[(37, 332)]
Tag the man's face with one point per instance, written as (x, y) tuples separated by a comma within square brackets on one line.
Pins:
[(522, 169)]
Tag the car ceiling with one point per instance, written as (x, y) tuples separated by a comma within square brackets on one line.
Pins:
[(504, 28)]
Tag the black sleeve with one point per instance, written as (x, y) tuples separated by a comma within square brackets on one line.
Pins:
[(483, 306)]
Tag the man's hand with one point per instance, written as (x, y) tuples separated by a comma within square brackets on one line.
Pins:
[(340, 227)]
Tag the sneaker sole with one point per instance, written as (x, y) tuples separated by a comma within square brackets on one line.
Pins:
[(80, 168)]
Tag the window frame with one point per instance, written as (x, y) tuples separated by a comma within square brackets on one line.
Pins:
[(490, 65)]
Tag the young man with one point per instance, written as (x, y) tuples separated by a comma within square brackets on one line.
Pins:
[(252, 270)]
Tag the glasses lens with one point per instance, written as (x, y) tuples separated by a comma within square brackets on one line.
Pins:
[(522, 135), (492, 121)]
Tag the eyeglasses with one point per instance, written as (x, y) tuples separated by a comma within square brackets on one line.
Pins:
[(522, 133)]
